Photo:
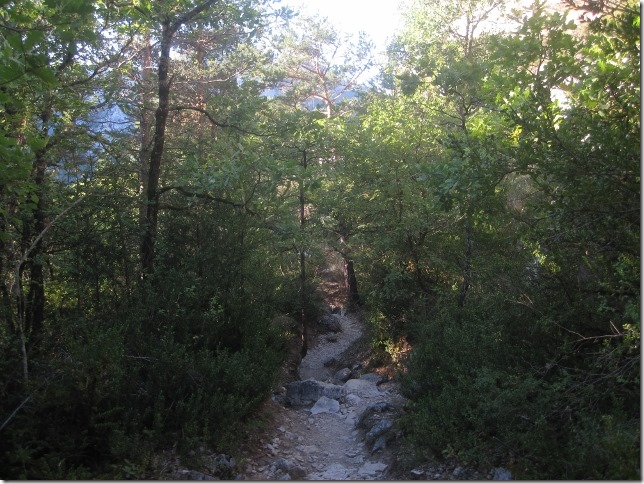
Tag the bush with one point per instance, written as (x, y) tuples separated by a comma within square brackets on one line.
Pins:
[(110, 392), (480, 396)]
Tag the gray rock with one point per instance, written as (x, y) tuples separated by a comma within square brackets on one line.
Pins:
[(378, 429), (335, 472), (299, 393), (284, 470), (458, 472), (371, 469), (380, 407), (417, 474), (223, 462), (501, 474), (343, 375), (373, 377), (379, 444), (325, 405), (362, 388), (367, 417), (330, 323)]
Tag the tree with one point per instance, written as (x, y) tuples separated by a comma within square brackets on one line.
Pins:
[(51, 61), (519, 166)]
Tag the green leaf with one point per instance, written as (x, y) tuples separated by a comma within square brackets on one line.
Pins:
[(14, 41), (47, 75), (9, 73), (33, 37)]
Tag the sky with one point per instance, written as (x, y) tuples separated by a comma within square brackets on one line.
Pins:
[(378, 18)]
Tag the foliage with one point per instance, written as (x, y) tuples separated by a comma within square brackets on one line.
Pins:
[(537, 371)]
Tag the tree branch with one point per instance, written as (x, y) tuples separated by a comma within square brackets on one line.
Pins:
[(205, 196), (218, 123)]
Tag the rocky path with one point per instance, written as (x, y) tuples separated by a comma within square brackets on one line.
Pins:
[(329, 426)]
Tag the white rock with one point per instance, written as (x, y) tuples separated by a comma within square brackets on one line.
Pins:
[(335, 472), (325, 405), (362, 388), (371, 468)]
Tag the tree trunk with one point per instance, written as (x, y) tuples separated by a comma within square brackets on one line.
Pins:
[(145, 121), (168, 29), (35, 301), (353, 297), (154, 172), (303, 292), (467, 266)]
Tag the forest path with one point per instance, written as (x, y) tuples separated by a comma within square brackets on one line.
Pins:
[(339, 443)]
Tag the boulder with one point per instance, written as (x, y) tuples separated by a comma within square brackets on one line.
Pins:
[(300, 393), (362, 388), (325, 405)]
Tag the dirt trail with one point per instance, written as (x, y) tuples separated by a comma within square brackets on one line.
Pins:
[(302, 445)]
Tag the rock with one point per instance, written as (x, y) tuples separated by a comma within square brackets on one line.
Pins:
[(283, 470), (335, 472), (379, 444), (299, 393), (371, 469), (367, 418), (362, 388), (353, 400), (458, 472), (330, 323), (380, 407), (280, 465), (325, 405), (417, 474), (343, 375), (378, 429), (373, 377), (332, 338), (501, 474)]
